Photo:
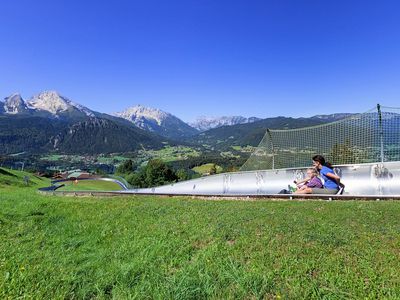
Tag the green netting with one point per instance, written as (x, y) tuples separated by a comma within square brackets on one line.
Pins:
[(372, 136)]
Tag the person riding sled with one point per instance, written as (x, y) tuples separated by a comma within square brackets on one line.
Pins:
[(331, 180), (312, 181)]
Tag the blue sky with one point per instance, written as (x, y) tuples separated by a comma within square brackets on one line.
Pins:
[(191, 58)]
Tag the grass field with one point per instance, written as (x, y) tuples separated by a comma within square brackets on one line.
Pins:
[(178, 248), (206, 168), (168, 154), (90, 185)]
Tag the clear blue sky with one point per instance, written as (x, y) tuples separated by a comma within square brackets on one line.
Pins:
[(198, 57)]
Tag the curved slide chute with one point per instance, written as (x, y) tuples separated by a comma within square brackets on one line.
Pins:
[(372, 179)]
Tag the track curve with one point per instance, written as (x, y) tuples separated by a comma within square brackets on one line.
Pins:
[(363, 181)]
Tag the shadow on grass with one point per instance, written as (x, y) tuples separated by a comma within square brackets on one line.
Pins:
[(4, 172)]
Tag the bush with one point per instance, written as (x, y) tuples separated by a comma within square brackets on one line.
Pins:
[(126, 167), (182, 175), (155, 173)]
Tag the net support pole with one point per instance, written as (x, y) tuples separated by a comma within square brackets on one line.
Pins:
[(380, 130), (272, 148)]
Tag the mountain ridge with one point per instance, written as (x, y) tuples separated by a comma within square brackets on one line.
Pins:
[(158, 121), (49, 121), (250, 134), (204, 123)]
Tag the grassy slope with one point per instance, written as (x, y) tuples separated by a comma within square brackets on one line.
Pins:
[(90, 185), (14, 178), (148, 247)]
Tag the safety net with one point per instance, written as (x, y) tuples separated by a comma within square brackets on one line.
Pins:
[(373, 136)]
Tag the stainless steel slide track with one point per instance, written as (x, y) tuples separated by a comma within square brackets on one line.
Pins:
[(360, 179)]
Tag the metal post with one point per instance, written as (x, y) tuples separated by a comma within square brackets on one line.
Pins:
[(380, 131), (273, 150)]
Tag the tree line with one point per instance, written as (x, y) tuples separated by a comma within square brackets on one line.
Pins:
[(154, 173)]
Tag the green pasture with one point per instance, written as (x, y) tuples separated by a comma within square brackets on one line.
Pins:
[(169, 153), (206, 168), (89, 185)]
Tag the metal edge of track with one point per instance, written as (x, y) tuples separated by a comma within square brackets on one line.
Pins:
[(223, 197)]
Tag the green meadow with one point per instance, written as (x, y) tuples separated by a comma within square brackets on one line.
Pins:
[(206, 168), (89, 185), (146, 247)]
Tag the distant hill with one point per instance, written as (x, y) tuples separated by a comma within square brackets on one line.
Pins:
[(97, 135), (332, 117), (20, 133), (251, 133), (90, 136)]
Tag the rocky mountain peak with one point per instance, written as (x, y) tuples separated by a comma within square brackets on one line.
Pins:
[(49, 101), (137, 113), (54, 103), (157, 121), (14, 104)]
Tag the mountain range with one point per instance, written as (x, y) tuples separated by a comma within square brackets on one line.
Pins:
[(47, 104), (50, 122), (206, 123)]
